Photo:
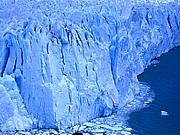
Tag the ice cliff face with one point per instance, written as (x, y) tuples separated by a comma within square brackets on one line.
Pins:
[(66, 67)]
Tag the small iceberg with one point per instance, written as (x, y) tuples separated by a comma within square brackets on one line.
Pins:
[(154, 62), (164, 113)]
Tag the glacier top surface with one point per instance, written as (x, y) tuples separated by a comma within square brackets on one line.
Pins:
[(15, 10)]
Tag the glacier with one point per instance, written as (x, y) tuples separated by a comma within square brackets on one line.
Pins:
[(65, 63)]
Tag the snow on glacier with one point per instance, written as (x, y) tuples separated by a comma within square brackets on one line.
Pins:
[(65, 63)]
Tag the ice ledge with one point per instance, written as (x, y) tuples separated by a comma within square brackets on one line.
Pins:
[(71, 67), (13, 115)]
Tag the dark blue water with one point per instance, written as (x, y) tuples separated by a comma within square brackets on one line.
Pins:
[(164, 80)]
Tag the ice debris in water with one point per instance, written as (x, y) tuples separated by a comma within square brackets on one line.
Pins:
[(154, 62), (164, 113)]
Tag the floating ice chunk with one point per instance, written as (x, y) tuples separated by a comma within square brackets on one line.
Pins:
[(82, 128), (164, 113), (146, 102), (99, 131), (154, 62), (54, 132), (129, 105), (76, 128), (89, 124), (45, 133), (128, 129), (110, 128), (125, 133)]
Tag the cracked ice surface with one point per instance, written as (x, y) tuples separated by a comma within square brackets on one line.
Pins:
[(63, 64), (113, 125)]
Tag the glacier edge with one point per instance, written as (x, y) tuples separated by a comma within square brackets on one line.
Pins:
[(69, 67)]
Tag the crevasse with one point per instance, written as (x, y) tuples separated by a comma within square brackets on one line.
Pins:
[(61, 67)]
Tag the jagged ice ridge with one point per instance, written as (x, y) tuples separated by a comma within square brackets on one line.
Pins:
[(67, 65)]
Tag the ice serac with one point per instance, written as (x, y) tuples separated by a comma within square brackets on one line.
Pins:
[(13, 115), (64, 67)]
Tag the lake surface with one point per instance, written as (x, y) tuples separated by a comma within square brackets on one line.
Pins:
[(164, 80)]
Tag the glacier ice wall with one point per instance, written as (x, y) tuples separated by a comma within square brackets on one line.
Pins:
[(61, 67)]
